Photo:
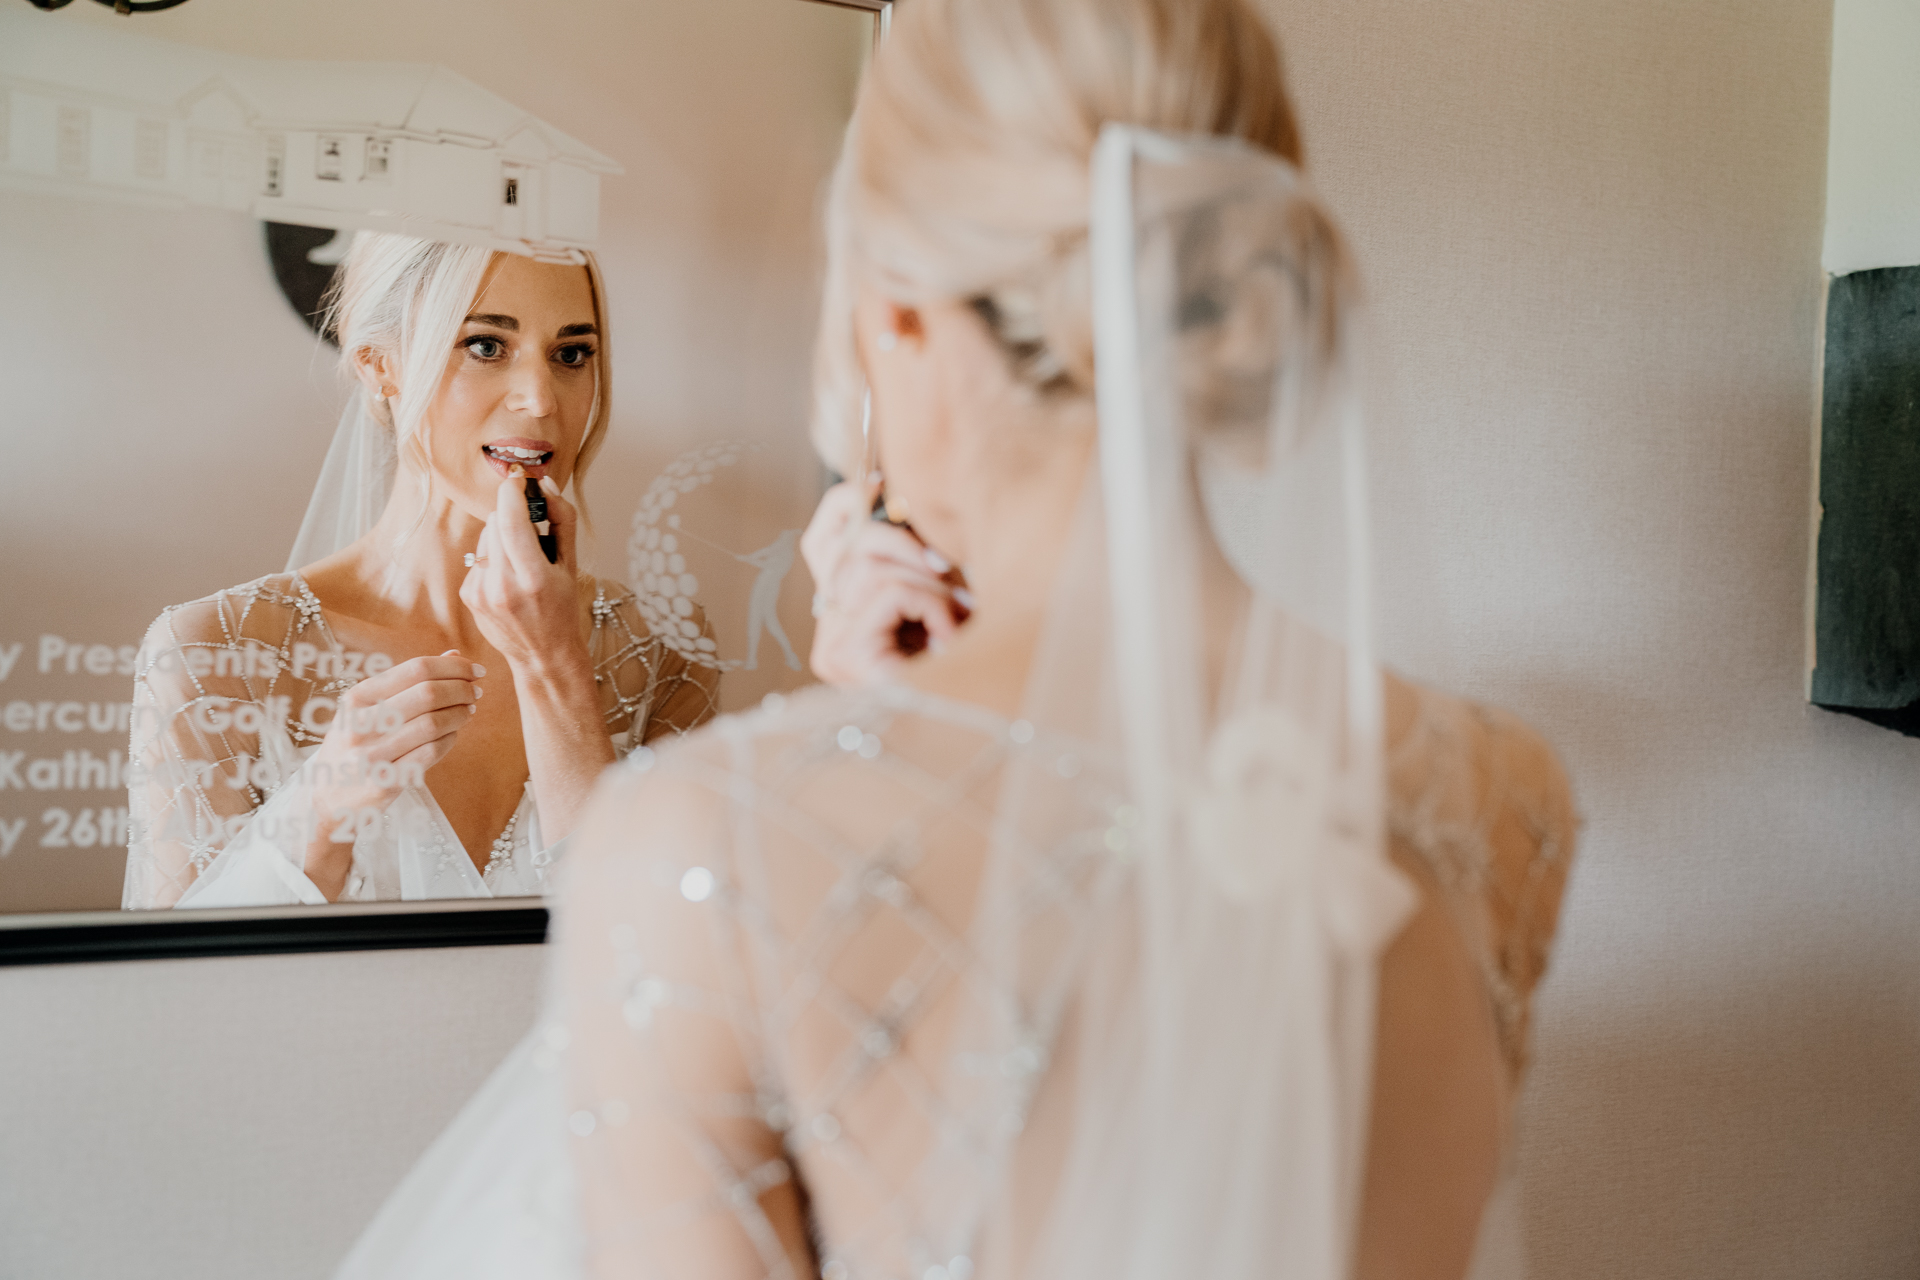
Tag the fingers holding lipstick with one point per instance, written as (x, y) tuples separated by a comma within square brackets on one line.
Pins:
[(526, 607), (514, 533), (564, 520)]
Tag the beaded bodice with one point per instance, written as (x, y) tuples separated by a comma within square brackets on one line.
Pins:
[(767, 959), (220, 695)]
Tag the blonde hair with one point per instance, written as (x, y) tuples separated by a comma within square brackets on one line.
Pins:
[(406, 299), (964, 175)]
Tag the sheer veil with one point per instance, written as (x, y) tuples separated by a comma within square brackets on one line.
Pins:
[(355, 481), (1214, 1059)]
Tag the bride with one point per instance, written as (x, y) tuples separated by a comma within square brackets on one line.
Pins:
[(1141, 928), (320, 735)]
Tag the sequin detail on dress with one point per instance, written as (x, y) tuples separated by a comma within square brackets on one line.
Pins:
[(796, 906)]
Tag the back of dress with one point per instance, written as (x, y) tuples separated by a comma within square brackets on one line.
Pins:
[(772, 967)]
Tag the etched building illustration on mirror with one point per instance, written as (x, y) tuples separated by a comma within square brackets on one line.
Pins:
[(406, 147)]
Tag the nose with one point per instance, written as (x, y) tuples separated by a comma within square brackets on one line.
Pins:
[(530, 389)]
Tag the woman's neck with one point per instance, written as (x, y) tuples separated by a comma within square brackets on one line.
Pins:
[(1016, 526), (1022, 544), (405, 573)]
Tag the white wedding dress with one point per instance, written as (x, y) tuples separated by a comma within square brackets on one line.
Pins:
[(221, 802), (1478, 807)]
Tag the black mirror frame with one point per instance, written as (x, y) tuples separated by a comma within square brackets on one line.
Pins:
[(94, 936)]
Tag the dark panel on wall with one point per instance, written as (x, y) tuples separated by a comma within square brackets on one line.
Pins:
[(1867, 615)]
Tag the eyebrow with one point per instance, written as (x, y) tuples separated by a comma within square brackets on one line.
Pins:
[(513, 326)]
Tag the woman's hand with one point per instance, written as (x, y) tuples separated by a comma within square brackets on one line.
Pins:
[(387, 731), (876, 582), (527, 609)]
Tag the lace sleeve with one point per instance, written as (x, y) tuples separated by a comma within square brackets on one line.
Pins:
[(1530, 834), (215, 729), (670, 1101), (667, 680), (1481, 801)]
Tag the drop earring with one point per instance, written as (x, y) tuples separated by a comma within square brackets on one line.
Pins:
[(893, 509)]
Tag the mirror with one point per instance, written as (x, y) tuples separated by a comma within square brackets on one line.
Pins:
[(177, 190)]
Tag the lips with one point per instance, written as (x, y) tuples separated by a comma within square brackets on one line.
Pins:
[(533, 456)]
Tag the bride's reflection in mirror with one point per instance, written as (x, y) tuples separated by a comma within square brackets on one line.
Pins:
[(419, 705)]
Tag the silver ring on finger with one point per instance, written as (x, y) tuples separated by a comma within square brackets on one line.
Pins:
[(473, 558), (823, 604)]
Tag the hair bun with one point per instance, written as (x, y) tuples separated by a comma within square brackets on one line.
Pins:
[(964, 173)]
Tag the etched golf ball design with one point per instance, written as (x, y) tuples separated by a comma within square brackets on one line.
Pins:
[(657, 565)]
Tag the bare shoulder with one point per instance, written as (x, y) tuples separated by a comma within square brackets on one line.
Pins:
[(1480, 800)]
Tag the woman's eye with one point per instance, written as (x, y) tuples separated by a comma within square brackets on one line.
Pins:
[(486, 348), (573, 357)]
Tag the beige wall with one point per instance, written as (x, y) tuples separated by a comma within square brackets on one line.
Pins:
[(1593, 234), (233, 1119)]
